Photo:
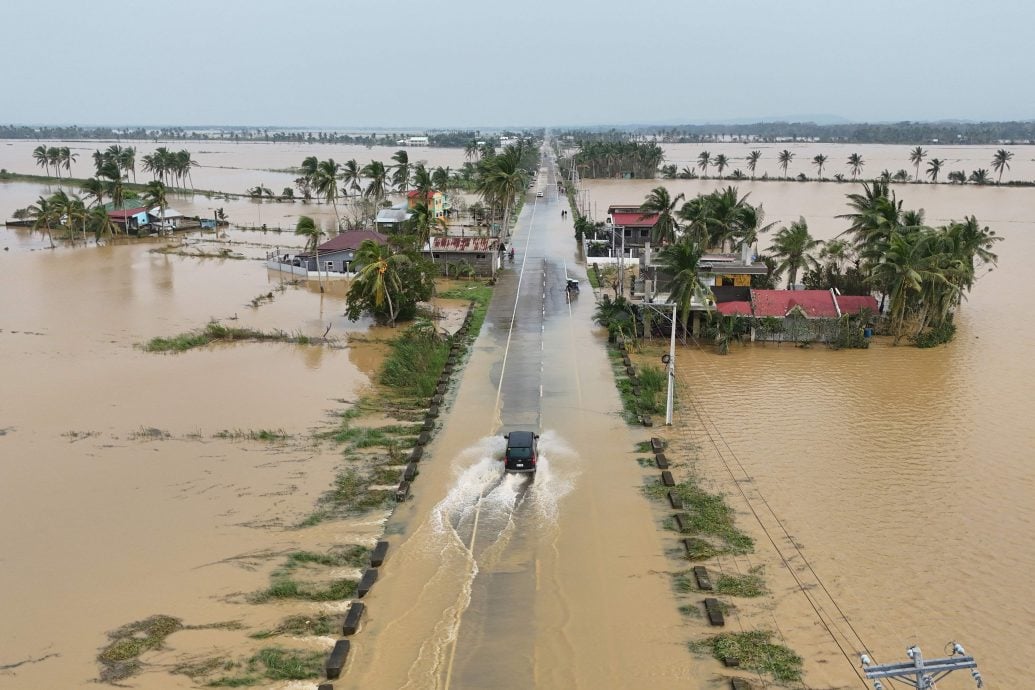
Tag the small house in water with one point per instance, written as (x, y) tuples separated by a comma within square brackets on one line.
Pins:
[(481, 255), (337, 257), (391, 220), (803, 314), (131, 220)]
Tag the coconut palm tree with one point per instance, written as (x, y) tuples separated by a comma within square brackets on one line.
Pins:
[(401, 175), (441, 179), (905, 267), (54, 158), (471, 150), (307, 227), (979, 176), (681, 260), (128, 161), (502, 179), (720, 161), (326, 184), (94, 188), (784, 159), (855, 164), (351, 175), (100, 223), (377, 185), (819, 161), (422, 181), (39, 154), (111, 176), (916, 157), (752, 161), (44, 215), (67, 158), (792, 248), (155, 194), (704, 159), (1000, 162), (934, 166), (380, 277), (667, 226), (423, 222)]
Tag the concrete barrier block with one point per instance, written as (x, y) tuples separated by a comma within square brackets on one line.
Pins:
[(429, 425), (656, 444), (675, 500), (646, 421), (336, 659), (416, 454), (410, 473), (325, 686), (733, 662), (424, 438), (661, 460), (366, 582), (627, 361), (402, 491), (714, 611), (666, 478), (352, 618), (433, 411), (682, 522), (738, 683), (441, 390), (436, 399), (378, 553), (631, 371), (704, 580)]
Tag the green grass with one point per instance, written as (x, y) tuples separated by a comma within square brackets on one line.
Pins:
[(275, 663), (593, 279), (217, 332), (756, 652), (270, 435), (120, 659), (415, 361), (750, 585), (298, 626), (710, 516), (354, 556), (284, 587)]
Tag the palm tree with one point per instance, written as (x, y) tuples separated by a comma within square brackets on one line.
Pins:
[(934, 166), (666, 227), (401, 176), (111, 176), (351, 175), (326, 184), (720, 163), (42, 159), (958, 177), (979, 176), (422, 181), (155, 195), (377, 187), (681, 260), (67, 158), (916, 157), (423, 221), (307, 227), (819, 161), (501, 181), (905, 267), (1001, 162), (855, 163), (128, 161), (752, 161), (784, 159), (471, 150), (380, 276), (94, 189), (703, 161), (54, 158), (441, 179), (792, 248), (43, 214), (101, 223)]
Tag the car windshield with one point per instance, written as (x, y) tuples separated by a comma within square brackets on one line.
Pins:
[(519, 453)]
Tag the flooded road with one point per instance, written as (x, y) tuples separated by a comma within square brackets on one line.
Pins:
[(502, 581)]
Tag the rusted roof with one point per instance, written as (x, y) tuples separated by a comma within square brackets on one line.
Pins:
[(816, 304), (464, 244)]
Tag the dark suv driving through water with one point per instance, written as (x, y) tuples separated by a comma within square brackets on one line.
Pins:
[(522, 452)]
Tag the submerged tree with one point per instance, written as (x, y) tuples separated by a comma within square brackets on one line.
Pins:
[(1001, 162)]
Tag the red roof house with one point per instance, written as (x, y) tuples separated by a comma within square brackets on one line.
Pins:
[(814, 304), (738, 308), (854, 304), (636, 219), (350, 240)]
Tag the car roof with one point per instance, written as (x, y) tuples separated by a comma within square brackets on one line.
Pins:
[(520, 438)]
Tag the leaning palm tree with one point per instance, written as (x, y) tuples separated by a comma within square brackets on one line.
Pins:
[(502, 179), (111, 176), (307, 227), (792, 248), (54, 158), (916, 157), (855, 163), (666, 227), (934, 166), (351, 175), (67, 158), (423, 222), (819, 160), (784, 159), (682, 261), (703, 161), (380, 277), (752, 161), (128, 161), (39, 154), (326, 184), (979, 176), (155, 195), (471, 150), (44, 215), (94, 188), (101, 224), (720, 162), (377, 186), (401, 175), (1001, 162)]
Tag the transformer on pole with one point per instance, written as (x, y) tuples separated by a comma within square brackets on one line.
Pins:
[(922, 673)]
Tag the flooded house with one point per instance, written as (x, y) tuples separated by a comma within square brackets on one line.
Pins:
[(436, 201), (392, 219), (793, 315), (482, 256), (336, 256)]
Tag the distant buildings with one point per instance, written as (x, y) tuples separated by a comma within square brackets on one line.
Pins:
[(412, 141)]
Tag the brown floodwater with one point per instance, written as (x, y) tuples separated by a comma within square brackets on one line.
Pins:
[(905, 475)]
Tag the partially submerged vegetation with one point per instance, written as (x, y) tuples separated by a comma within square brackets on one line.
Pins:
[(120, 658), (709, 520), (750, 584), (754, 651), (217, 332)]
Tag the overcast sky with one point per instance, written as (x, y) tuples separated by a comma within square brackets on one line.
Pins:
[(460, 63)]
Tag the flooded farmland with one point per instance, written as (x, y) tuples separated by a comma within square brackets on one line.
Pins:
[(903, 475)]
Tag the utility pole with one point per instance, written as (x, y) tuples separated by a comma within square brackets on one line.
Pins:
[(671, 369), (921, 673)]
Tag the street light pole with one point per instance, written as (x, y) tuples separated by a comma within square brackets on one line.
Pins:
[(671, 370)]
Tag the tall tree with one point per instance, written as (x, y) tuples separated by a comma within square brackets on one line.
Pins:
[(155, 194), (934, 166), (306, 227), (819, 160), (401, 173), (39, 154), (720, 161), (681, 260), (326, 185), (752, 161), (916, 157), (784, 159), (792, 248), (703, 161), (667, 226), (351, 176), (44, 215), (94, 189), (379, 280), (377, 181), (1000, 162), (855, 164)]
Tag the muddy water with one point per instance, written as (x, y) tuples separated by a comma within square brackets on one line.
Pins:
[(904, 474), (103, 524)]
